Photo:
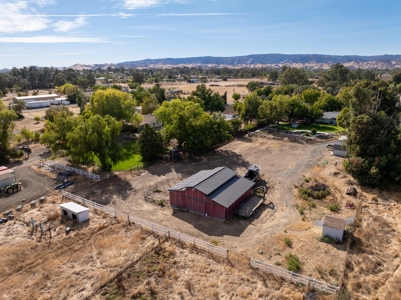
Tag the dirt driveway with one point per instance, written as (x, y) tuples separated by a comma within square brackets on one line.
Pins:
[(34, 184), (282, 165)]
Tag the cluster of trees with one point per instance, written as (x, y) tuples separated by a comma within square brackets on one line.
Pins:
[(374, 135), (94, 133), (287, 103), (7, 124)]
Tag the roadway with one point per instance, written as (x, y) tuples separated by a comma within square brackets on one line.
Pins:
[(34, 184)]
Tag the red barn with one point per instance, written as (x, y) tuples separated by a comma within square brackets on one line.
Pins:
[(216, 193)]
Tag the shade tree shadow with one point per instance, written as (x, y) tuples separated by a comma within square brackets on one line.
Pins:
[(104, 191)]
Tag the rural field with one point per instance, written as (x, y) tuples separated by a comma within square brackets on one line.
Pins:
[(107, 259), (146, 269)]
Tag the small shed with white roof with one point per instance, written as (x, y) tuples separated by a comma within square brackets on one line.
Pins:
[(75, 211)]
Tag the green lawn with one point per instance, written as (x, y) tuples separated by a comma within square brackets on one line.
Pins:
[(318, 127), (132, 158)]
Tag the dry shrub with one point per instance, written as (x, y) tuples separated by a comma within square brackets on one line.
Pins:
[(171, 250), (107, 242), (53, 216), (213, 294), (244, 292)]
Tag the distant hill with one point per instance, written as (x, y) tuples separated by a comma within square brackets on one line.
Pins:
[(311, 61), (5, 70)]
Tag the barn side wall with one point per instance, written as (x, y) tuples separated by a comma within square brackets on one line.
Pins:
[(195, 201)]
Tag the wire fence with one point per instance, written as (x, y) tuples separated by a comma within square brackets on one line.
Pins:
[(293, 277), (68, 168), (89, 203), (162, 185), (211, 248)]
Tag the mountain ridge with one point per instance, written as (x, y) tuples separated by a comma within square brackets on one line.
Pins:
[(274, 60)]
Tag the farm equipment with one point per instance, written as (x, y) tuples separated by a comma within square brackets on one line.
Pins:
[(8, 181), (175, 154), (253, 173), (350, 205)]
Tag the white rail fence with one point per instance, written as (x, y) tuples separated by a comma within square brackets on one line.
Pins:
[(179, 236), (78, 171), (293, 277), (89, 203), (210, 248)]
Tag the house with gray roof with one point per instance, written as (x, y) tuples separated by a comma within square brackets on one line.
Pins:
[(329, 118), (216, 193)]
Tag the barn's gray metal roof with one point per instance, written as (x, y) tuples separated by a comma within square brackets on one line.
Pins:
[(195, 179), (222, 185), (216, 180), (230, 191)]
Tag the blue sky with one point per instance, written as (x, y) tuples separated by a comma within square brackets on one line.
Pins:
[(61, 33)]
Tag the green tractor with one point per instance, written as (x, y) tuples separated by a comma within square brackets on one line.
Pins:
[(8, 181)]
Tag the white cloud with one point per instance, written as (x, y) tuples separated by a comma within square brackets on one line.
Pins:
[(51, 39), (65, 26), (14, 18), (134, 4)]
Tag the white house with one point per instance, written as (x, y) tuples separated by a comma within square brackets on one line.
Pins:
[(334, 227), (75, 211), (151, 120), (340, 147), (329, 118)]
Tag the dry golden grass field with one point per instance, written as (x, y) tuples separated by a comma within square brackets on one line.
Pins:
[(105, 258)]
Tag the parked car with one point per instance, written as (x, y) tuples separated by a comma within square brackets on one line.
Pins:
[(321, 136)]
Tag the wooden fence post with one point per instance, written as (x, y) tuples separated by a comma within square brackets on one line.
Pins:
[(250, 262)]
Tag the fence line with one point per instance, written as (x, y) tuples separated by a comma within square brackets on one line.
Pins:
[(293, 277), (89, 203), (78, 171), (223, 252), (179, 236), (160, 185), (210, 248)]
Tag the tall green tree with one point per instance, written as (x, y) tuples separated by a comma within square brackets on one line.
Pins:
[(209, 100), (336, 77), (374, 139), (294, 76), (18, 105), (7, 123), (116, 104), (310, 96), (250, 107), (151, 144), (193, 128), (273, 75), (149, 105), (95, 136), (159, 93)]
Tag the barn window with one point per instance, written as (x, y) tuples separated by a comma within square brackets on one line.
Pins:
[(74, 216), (65, 212)]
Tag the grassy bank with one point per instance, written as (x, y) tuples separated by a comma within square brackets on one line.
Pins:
[(132, 158)]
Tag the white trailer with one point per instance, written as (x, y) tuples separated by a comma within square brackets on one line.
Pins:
[(65, 102), (38, 104)]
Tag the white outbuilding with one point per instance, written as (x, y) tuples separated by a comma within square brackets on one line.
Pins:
[(334, 227), (340, 147), (75, 211)]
